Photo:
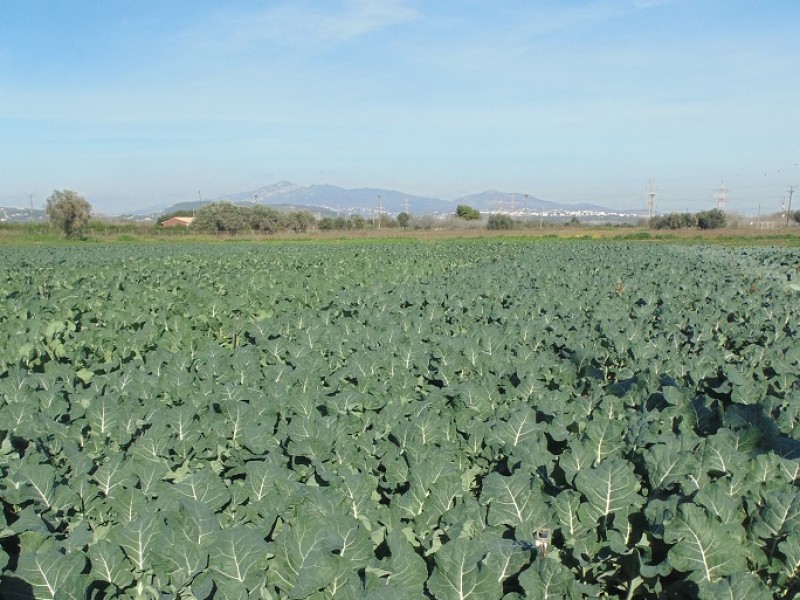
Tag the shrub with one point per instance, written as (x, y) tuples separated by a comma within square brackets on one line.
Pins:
[(500, 222)]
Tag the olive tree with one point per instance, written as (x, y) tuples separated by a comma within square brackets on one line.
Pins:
[(467, 213), (221, 217), (711, 219), (500, 222), (69, 212)]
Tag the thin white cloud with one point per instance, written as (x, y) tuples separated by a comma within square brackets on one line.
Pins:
[(300, 25), (554, 16)]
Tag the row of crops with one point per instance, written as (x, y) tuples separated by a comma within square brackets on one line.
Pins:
[(453, 420)]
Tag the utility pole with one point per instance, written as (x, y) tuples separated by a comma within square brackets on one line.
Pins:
[(380, 209), (526, 207), (789, 206), (31, 199), (651, 199)]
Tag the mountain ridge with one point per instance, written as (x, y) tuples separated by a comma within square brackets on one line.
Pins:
[(366, 200)]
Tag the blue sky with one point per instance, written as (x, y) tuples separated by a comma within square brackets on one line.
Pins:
[(136, 103)]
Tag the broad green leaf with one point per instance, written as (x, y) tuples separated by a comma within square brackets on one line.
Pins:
[(258, 479), (48, 570), (103, 416), (304, 559), (404, 569), (665, 464), (513, 500), (609, 487), (721, 453), (196, 521), (111, 475), (137, 539), (566, 507), (506, 558), (39, 483), (358, 489), (205, 487), (351, 541), (578, 457), (788, 569), (605, 437), (460, 573), (181, 559), (779, 516), (739, 586), (718, 500), (109, 564), (240, 555), (520, 427), (230, 589), (548, 579), (703, 547), (85, 375)]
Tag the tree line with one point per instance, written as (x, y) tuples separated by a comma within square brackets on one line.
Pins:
[(70, 213), (225, 217), (707, 219)]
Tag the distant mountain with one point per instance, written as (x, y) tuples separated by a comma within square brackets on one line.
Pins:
[(365, 200), (332, 200), (494, 201), (332, 197)]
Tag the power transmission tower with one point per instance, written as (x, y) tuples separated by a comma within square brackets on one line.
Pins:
[(513, 203), (406, 206), (380, 210), (722, 196), (651, 199)]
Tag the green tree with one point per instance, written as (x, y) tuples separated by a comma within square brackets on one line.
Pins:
[(500, 222), (357, 222), (674, 221), (467, 213), (221, 217), (299, 220), (266, 219), (69, 211), (326, 224), (711, 219), (403, 219)]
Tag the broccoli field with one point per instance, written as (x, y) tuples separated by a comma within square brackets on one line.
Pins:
[(448, 420)]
